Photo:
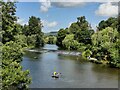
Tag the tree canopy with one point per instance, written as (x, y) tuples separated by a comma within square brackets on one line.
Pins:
[(33, 32), (103, 44), (13, 76)]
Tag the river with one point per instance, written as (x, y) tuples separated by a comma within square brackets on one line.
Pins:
[(76, 73)]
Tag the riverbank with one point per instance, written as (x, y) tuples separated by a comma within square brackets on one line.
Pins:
[(104, 62)]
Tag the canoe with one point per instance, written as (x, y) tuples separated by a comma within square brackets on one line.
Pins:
[(57, 76)]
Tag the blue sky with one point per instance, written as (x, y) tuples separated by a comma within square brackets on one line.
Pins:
[(60, 15)]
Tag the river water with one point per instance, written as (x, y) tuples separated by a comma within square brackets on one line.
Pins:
[(75, 72)]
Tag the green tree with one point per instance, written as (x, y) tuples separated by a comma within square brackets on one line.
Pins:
[(82, 30), (35, 25), (33, 32), (60, 37), (106, 41), (110, 22), (69, 42), (84, 36), (51, 39), (74, 27), (82, 33), (25, 30), (8, 21), (83, 23), (12, 75)]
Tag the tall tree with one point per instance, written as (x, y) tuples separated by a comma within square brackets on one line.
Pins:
[(33, 31), (60, 37), (13, 78), (35, 25), (84, 32), (8, 21)]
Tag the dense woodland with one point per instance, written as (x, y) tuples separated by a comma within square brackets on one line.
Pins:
[(104, 44)]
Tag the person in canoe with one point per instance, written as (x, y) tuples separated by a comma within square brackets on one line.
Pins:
[(56, 75)]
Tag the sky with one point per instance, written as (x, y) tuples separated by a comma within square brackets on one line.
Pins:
[(57, 15)]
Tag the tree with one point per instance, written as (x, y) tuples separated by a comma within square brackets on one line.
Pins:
[(35, 25), (8, 21), (84, 36), (106, 41), (110, 22), (82, 30), (69, 42), (73, 28), (83, 23), (51, 39), (33, 32), (12, 75), (25, 30), (82, 33), (60, 36)]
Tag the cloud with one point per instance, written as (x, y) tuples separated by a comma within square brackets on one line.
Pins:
[(107, 9), (50, 30), (45, 5), (22, 22), (68, 4), (52, 24), (49, 24)]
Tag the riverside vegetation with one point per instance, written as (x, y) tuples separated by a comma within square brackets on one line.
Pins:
[(15, 38), (104, 44)]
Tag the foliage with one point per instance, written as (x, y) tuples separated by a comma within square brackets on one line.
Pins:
[(12, 50), (33, 32), (110, 22), (25, 30), (106, 40), (50, 39), (60, 37), (86, 54), (35, 25), (73, 28), (8, 21), (12, 74), (83, 23), (82, 34), (70, 43), (21, 39), (104, 44)]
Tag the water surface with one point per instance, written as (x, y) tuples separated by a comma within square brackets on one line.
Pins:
[(76, 73)]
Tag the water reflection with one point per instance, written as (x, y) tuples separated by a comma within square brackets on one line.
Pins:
[(32, 55)]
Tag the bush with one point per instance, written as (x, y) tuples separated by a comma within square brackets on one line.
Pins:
[(86, 53)]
